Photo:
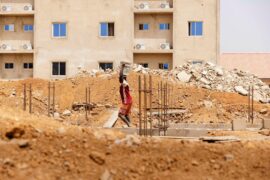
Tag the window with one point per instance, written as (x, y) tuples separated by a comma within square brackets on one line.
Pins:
[(9, 27), (145, 65), (195, 28), (9, 65), (59, 68), (106, 66), (106, 29), (59, 30), (164, 26), (164, 66), (28, 28), (28, 65), (143, 26), (197, 62)]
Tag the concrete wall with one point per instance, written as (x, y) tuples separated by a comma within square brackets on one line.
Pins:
[(83, 47), (18, 34), (18, 72), (255, 63), (153, 37), (153, 60), (188, 48)]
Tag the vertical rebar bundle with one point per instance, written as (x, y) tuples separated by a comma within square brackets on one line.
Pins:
[(51, 96), (251, 104), (145, 106), (30, 91), (87, 102)]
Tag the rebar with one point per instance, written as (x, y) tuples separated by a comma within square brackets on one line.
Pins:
[(24, 97), (30, 98), (140, 105)]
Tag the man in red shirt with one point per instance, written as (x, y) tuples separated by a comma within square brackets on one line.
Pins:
[(126, 99)]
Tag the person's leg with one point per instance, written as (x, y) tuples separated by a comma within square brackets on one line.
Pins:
[(128, 110), (122, 115)]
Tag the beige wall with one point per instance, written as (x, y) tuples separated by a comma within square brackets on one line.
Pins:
[(18, 34), (153, 60), (204, 47), (18, 72), (255, 63), (153, 37), (83, 47)]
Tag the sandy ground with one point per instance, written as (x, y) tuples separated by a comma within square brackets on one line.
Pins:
[(40, 148)]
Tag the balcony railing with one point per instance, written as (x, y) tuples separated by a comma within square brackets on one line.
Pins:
[(152, 46), (16, 9), (9, 47), (153, 7)]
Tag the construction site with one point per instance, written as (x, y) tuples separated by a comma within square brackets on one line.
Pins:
[(181, 127), (131, 89)]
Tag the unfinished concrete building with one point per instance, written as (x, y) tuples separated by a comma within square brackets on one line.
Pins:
[(56, 39)]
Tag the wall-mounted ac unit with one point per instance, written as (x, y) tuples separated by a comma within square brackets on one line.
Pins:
[(144, 5), (140, 46), (165, 5), (6, 8), (165, 46), (27, 46), (6, 47), (28, 7)]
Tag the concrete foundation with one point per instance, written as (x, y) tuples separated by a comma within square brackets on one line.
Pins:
[(266, 124), (239, 125)]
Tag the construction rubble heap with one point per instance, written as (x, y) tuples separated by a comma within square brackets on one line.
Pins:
[(206, 75)]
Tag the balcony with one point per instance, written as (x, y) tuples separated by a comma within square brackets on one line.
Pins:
[(16, 9), (153, 7), (16, 47), (157, 46)]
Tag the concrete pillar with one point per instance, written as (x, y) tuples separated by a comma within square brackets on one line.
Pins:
[(239, 125)]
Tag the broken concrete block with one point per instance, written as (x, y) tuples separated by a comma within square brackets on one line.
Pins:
[(239, 125), (205, 81), (241, 90), (184, 77), (264, 111), (66, 113), (219, 71), (266, 123)]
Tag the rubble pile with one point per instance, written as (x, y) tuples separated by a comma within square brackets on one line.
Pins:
[(213, 77)]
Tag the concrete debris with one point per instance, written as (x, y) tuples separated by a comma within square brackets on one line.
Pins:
[(241, 90), (210, 76), (129, 140), (264, 111), (207, 75), (67, 113), (106, 175)]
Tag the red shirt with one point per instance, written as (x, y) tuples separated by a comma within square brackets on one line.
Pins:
[(125, 93)]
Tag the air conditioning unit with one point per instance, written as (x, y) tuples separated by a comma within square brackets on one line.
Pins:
[(165, 5), (140, 47), (27, 47), (6, 47), (144, 5), (28, 7), (6, 8), (165, 46)]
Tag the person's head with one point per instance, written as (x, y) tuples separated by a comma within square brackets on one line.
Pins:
[(122, 79)]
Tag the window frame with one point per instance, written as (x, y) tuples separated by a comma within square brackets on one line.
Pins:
[(196, 31), (28, 66), (9, 68), (28, 25), (59, 69), (163, 66), (59, 37), (108, 31), (143, 26), (164, 26), (8, 25), (105, 62)]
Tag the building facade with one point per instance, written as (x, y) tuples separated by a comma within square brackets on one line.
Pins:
[(57, 38)]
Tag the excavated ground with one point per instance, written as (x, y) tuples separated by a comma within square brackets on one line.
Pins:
[(38, 147)]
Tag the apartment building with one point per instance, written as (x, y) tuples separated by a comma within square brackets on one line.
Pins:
[(57, 38)]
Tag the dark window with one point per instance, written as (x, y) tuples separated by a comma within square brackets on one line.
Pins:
[(195, 28), (145, 65), (9, 65), (59, 68), (28, 65), (106, 66), (106, 29), (164, 66), (197, 62), (143, 26)]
